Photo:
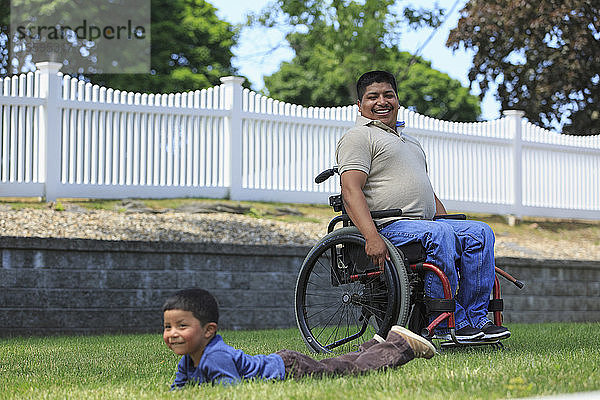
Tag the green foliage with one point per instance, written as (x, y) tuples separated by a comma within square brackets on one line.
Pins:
[(78, 54), (434, 93), (544, 56), (190, 49), (336, 41), (539, 359), (4, 34)]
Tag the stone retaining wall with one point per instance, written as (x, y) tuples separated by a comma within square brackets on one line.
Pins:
[(65, 286), (555, 290)]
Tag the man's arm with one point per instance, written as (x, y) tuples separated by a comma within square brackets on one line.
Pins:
[(439, 206), (356, 206)]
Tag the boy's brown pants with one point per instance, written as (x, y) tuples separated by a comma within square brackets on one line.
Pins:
[(371, 355)]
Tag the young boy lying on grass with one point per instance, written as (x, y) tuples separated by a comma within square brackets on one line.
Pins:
[(190, 330)]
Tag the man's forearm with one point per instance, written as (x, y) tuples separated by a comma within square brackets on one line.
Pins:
[(358, 211), (439, 206)]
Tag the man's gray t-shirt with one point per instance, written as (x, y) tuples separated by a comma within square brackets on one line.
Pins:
[(395, 165)]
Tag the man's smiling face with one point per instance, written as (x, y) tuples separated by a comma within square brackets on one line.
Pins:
[(380, 102)]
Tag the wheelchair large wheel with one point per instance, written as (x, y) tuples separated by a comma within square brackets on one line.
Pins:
[(342, 299)]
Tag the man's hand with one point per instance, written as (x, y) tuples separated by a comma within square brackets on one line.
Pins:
[(377, 251)]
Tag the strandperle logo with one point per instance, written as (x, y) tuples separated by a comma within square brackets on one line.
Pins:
[(84, 31), (85, 36)]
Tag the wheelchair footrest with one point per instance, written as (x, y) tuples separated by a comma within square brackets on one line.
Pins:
[(449, 344)]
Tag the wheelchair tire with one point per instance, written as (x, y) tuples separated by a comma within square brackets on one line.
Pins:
[(338, 310)]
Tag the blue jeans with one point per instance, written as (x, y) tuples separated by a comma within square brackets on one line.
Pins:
[(464, 251)]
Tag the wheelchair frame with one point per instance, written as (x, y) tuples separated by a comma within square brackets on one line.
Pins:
[(369, 300)]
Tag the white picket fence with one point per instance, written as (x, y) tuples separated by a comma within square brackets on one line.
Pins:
[(64, 138)]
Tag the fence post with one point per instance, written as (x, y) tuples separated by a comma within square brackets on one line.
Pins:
[(514, 120), (233, 132), (50, 128)]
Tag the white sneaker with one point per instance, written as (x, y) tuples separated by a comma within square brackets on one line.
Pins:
[(422, 347)]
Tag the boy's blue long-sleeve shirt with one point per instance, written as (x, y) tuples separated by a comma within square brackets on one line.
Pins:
[(221, 363)]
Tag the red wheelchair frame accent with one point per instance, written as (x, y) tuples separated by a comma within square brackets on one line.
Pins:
[(496, 295), (447, 295)]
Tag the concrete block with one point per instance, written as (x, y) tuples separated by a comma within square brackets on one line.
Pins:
[(8, 277)]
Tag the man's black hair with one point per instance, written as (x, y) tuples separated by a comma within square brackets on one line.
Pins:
[(371, 77), (199, 302)]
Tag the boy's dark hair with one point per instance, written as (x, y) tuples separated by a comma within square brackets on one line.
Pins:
[(371, 77), (199, 302)]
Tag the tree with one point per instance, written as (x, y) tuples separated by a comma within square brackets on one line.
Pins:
[(4, 34), (544, 56), (336, 41), (190, 49)]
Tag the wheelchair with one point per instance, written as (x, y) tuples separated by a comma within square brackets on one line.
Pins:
[(343, 300)]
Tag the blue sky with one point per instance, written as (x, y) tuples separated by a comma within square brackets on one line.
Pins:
[(255, 57)]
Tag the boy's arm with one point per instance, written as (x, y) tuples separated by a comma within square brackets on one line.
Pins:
[(181, 376), (220, 368)]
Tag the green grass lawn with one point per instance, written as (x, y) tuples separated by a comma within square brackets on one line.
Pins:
[(539, 359)]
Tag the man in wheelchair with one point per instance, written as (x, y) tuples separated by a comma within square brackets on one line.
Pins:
[(382, 168)]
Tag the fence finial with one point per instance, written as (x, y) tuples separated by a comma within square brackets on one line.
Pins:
[(515, 113), (50, 66)]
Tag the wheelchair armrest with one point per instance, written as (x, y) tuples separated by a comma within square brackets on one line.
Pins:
[(450, 216), (394, 212)]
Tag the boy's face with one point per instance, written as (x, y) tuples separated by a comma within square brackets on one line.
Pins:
[(184, 334), (380, 102)]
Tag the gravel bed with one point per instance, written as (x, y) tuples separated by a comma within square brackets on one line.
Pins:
[(167, 226), (228, 228)]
